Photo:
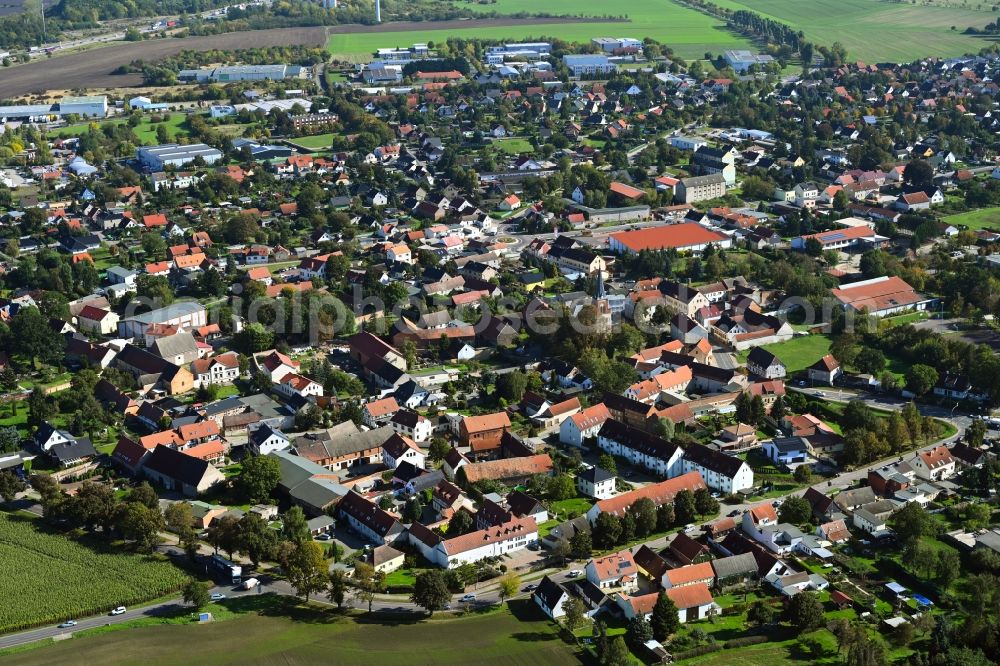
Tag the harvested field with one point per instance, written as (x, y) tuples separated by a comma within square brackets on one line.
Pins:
[(94, 67)]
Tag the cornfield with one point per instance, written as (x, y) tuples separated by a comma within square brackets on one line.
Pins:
[(49, 578)]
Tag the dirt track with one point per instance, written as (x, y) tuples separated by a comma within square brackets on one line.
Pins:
[(93, 68)]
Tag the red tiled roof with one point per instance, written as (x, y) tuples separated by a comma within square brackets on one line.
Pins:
[(675, 236)]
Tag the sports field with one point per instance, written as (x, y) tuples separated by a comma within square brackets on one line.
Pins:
[(689, 32), (321, 637), (984, 218), (875, 30)]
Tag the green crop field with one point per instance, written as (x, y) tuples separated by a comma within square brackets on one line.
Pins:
[(687, 31), (984, 218), (872, 30), (875, 30), (53, 577), (319, 637)]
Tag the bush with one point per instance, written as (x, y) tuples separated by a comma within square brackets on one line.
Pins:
[(698, 651), (744, 641), (735, 609)]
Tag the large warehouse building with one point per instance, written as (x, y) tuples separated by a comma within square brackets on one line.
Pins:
[(881, 296), (155, 158), (684, 237), (92, 106)]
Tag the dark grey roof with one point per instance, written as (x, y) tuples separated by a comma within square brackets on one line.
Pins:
[(176, 465), (735, 565), (596, 475), (73, 450), (550, 592), (716, 461)]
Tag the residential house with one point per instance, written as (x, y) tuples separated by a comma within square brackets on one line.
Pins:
[(176, 470), (365, 518), (617, 571), (596, 482)]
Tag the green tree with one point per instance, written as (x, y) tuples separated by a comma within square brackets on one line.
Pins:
[(305, 567), (508, 585), (561, 487), (644, 511), (511, 386), (665, 620), (760, 613), (802, 474), (430, 591), (685, 510), (337, 590), (607, 462), (10, 485), (581, 544), (911, 522), (665, 428), (367, 583), (141, 524), (607, 530), (224, 533), (704, 503), (294, 526), (618, 654), (439, 448), (921, 378), (460, 523), (32, 337), (144, 494), (196, 593), (664, 517), (574, 610), (795, 510), (638, 631), (257, 540), (804, 612)]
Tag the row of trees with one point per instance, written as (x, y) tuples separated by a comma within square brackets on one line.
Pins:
[(644, 518)]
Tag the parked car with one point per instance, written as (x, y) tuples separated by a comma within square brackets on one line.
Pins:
[(324, 537), (529, 588), (469, 597), (67, 624), (218, 596), (575, 573), (119, 611)]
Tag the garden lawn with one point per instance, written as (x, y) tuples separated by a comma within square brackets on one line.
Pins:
[(515, 146), (798, 353), (984, 218), (687, 31), (576, 505), (313, 636)]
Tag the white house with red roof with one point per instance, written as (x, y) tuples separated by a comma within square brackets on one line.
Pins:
[(97, 320), (934, 465), (275, 364), (583, 425), (296, 384), (616, 571)]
